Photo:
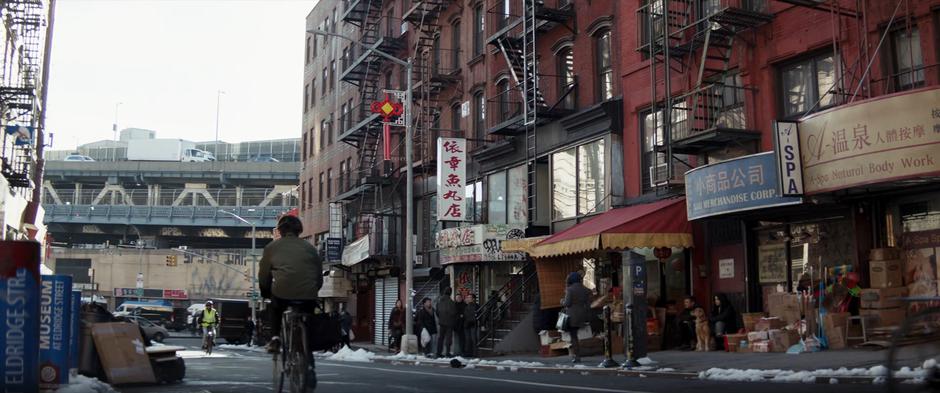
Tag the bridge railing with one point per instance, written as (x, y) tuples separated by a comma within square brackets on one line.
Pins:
[(163, 215)]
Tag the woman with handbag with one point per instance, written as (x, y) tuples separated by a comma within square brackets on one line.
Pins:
[(577, 304)]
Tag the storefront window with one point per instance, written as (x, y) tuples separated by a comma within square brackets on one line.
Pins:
[(517, 205), (785, 253), (920, 239), (564, 186), (474, 204), (496, 197), (591, 190), (579, 180)]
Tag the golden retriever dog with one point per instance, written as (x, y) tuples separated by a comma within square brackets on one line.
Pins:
[(703, 332)]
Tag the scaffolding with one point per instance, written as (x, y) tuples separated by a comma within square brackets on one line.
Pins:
[(25, 22)]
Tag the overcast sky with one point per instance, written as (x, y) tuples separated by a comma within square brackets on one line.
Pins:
[(165, 60)]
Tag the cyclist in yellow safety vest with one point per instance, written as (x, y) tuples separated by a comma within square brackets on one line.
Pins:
[(209, 320)]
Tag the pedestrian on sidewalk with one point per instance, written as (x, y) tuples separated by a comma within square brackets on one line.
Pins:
[(471, 330), (396, 326), (345, 324), (425, 322), (577, 304), (723, 318), (446, 320), (686, 324), (458, 327)]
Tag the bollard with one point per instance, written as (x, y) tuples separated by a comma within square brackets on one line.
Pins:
[(631, 361), (608, 341)]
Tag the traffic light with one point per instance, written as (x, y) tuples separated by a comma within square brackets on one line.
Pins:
[(171, 260)]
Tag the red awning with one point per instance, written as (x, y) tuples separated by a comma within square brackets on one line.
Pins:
[(658, 224)]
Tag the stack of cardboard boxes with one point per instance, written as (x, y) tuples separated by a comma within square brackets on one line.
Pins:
[(880, 303)]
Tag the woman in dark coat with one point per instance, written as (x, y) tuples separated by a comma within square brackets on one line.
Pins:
[(396, 326), (577, 304), (723, 317)]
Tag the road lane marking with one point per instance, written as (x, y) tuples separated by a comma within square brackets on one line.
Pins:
[(447, 375)]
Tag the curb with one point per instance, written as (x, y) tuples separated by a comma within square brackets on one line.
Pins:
[(820, 380)]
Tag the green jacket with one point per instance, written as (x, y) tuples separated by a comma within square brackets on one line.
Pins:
[(290, 269)]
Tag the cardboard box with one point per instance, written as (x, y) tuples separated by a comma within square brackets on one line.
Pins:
[(733, 342), (883, 297), (759, 346), (884, 254), (785, 306), (836, 338), (122, 353), (751, 319), (770, 323), (758, 336), (885, 317), (886, 274), (835, 321), (781, 340), (583, 334), (558, 345)]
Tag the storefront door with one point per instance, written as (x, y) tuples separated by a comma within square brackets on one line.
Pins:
[(386, 293)]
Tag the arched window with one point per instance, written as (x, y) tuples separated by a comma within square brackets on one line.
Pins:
[(479, 115), (503, 101), (455, 43), (603, 65), (479, 24), (567, 90)]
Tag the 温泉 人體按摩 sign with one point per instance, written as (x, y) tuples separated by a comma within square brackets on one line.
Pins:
[(875, 141)]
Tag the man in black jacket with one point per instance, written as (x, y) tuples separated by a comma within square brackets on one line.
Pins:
[(425, 321), (471, 331), (686, 322), (446, 319)]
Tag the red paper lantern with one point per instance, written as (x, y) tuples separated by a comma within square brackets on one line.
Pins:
[(662, 252)]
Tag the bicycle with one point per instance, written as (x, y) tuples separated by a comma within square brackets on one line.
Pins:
[(297, 363), (208, 339), (922, 329)]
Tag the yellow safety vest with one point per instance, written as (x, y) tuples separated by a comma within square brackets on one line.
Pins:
[(208, 317)]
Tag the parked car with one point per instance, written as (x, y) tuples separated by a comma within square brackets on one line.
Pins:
[(153, 331), (78, 157), (263, 159)]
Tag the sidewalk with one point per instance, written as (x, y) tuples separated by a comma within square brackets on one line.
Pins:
[(838, 366)]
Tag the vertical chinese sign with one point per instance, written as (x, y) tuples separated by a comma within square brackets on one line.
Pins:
[(451, 178)]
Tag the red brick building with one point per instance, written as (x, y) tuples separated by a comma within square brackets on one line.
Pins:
[(767, 61)]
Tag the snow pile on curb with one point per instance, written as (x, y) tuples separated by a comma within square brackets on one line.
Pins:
[(244, 347), (509, 363), (83, 384), (752, 375), (348, 355)]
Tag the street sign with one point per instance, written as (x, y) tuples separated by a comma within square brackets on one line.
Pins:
[(334, 249), (140, 292)]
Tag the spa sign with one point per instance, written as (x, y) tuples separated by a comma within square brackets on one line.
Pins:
[(879, 140)]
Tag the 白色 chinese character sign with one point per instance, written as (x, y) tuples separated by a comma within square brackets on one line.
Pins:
[(451, 179)]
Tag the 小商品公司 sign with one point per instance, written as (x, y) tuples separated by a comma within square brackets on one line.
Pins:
[(451, 179), (744, 183), (879, 140)]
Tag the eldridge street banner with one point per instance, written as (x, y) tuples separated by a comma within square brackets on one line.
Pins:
[(19, 306), (879, 140), (55, 328)]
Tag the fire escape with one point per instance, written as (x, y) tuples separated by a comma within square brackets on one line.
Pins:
[(435, 69), (364, 128), (516, 38), (695, 38), (19, 88)]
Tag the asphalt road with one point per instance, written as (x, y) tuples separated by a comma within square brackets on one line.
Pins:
[(245, 371)]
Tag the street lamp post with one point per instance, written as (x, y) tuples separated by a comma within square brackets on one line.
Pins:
[(254, 258), (409, 184)]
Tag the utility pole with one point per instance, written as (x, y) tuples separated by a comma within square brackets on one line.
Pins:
[(254, 260), (218, 106), (114, 129)]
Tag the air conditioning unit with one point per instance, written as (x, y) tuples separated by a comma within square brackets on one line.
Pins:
[(659, 175)]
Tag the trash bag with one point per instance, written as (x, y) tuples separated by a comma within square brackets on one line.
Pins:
[(425, 337)]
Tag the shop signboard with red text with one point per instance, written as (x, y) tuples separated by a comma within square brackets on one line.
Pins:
[(880, 140), (451, 179)]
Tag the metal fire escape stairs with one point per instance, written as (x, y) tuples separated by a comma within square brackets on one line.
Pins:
[(365, 134), (519, 51), (683, 36), (428, 78), (19, 90)]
